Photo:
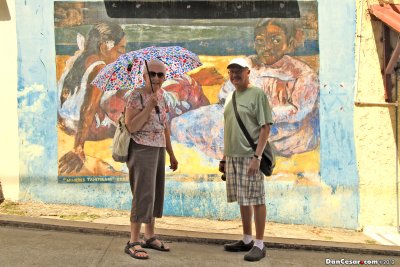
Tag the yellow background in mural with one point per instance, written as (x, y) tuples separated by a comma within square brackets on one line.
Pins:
[(100, 163)]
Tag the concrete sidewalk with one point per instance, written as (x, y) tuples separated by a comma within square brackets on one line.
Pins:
[(116, 223), (35, 247), (177, 235)]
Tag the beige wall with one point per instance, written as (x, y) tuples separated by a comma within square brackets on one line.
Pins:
[(9, 162), (374, 127)]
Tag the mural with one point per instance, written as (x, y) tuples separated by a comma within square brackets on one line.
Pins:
[(285, 49), (66, 133)]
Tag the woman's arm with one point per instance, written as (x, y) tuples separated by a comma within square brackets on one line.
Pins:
[(173, 162), (136, 118)]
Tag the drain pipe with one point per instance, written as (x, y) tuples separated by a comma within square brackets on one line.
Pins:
[(397, 148)]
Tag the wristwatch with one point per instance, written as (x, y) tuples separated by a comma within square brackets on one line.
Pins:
[(258, 157)]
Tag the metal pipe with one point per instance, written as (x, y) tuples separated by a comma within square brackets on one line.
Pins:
[(359, 49), (397, 151), (376, 104)]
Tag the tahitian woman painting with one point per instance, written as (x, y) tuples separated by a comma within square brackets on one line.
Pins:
[(85, 111), (89, 114)]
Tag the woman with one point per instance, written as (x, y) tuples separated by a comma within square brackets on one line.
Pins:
[(85, 110), (146, 159)]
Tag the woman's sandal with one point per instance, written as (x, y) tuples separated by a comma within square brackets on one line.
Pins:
[(135, 251), (149, 244)]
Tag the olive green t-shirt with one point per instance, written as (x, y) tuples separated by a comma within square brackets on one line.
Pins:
[(254, 110)]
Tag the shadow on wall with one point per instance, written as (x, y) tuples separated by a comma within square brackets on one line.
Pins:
[(4, 13)]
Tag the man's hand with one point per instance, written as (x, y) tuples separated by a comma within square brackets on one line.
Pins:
[(72, 161), (254, 167), (221, 166)]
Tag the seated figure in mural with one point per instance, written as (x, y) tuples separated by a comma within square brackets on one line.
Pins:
[(292, 88), (88, 113), (291, 85)]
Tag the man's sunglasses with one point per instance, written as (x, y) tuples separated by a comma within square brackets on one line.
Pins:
[(153, 74)]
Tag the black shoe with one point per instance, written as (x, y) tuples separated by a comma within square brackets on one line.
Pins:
[(238, 246), (255, 254)]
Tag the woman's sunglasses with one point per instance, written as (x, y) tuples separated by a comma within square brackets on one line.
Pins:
[(153, 74)]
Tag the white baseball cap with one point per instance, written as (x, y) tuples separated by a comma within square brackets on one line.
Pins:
[(239, 61)]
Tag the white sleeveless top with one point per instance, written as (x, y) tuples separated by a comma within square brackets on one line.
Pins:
[(70, 110)]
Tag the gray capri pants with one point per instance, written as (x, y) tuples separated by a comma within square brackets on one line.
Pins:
[(146, 166)]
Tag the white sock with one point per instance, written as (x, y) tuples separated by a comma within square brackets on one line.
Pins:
[(247, 239), (259, 243)]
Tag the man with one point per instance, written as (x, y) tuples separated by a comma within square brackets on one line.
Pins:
[(244, 180)]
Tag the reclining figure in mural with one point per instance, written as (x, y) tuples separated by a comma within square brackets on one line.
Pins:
[(293, 92), (89, 114)]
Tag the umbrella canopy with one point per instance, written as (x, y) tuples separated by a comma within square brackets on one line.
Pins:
[(127, 71)]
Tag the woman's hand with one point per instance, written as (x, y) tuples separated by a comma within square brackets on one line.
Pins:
[(72, 161), (153, 101), (173, 163)]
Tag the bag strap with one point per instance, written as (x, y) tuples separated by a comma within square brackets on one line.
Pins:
[(141, 102), (123, 113), (240, 122)]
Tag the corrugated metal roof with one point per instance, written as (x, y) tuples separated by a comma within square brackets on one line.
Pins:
[(388, 14)]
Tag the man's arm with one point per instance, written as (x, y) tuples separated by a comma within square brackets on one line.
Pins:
[(262, 142)]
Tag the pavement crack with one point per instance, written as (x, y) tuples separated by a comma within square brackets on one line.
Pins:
[(105, 252)]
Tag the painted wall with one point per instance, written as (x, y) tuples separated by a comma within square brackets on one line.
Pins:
[(9, 158), (375, 127), (317, 187)]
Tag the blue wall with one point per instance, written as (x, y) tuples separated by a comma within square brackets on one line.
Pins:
[(336, 204)]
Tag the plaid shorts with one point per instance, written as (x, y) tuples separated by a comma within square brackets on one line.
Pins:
[(246, 190)]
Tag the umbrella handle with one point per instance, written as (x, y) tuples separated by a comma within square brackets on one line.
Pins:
[(157, 108), (148, 72)]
